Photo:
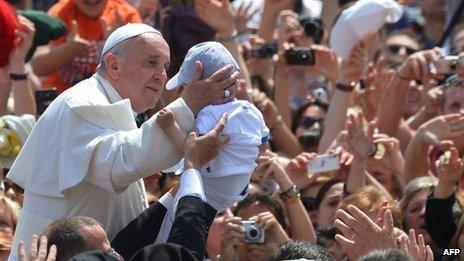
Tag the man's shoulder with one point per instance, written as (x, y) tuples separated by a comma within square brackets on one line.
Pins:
[(85, 93)]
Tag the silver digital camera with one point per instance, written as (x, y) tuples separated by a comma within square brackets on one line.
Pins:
[(253, 233)]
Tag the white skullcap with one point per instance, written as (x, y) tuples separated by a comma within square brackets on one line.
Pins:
[(127, 31)]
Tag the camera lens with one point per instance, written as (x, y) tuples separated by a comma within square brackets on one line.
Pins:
[(253, 233), (313, 28)]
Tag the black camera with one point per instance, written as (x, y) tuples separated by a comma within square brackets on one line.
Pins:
[(253, 233), (261, 51), (313, 28), (300, 56)]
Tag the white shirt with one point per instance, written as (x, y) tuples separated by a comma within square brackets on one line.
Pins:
[(86, 157)]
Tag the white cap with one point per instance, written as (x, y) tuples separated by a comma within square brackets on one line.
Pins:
[(127, 31), (364, 17), (212, 55), (20, 125)]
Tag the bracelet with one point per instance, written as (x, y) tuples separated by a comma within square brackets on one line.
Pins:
[(345, 88), (18, 77), (277, 125), (228, 38)]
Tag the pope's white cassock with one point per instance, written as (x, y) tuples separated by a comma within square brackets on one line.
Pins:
[(86, 157)]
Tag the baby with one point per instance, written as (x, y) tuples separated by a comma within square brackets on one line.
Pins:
[(226, 177)]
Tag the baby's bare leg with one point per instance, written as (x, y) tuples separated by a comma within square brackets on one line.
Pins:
[(168, 124)]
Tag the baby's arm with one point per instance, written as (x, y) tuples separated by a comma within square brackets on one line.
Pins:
[(168, 124)]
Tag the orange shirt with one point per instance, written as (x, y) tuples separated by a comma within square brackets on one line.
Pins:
[(90, 29)]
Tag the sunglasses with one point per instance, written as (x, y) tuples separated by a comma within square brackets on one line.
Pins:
[(395, 48), (307, 122)]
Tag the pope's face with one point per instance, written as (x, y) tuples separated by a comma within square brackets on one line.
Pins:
[(142, 71)]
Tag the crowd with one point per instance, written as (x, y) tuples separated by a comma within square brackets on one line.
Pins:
[(231, 130)]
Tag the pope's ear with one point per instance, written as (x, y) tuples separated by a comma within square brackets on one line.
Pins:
[(112, 65)]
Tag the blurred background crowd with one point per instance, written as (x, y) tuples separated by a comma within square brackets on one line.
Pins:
[(364, 101)]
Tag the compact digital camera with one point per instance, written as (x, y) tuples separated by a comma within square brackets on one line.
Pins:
[(253, 233), (300, 56)]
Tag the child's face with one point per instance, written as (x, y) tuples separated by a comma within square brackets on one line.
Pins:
[(91, 8)]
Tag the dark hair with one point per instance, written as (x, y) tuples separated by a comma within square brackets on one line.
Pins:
[(386, 255), (326, 236), (324, 189), (266, 200), (300, 111), (296, 249), (66, 234)]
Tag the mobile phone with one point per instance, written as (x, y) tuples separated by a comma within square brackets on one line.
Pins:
[(300, 56), (446, 65), (324, 163), (43, 98), (262, 51)]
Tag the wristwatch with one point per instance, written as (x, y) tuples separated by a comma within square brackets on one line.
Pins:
[(293, 192)]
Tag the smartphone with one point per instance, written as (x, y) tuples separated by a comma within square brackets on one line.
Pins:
[(446, 65), (43, 98), (324, 163), (300, 56), (262, 51)]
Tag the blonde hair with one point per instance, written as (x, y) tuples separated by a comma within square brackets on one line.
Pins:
[(369, 200)]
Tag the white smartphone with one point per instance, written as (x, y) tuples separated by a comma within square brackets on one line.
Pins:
[(324, 163)]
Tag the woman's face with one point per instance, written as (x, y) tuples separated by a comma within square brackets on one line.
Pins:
[(326, 213), (310, 120), (414, 214), (6, 220)]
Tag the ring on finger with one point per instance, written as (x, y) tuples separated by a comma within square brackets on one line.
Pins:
[(227, 93)]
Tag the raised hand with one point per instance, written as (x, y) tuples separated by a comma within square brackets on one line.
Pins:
[(297, 170), (361, 235), (232, 237), (449, 167), (416, 66), (272, 228), (446, 127), (216, 14), (392, 157), (416, 247), (200, 93), (352, 68), (80, 46), (270, 168), (38, 250), (242, 15), (361, 142), (25, 36)]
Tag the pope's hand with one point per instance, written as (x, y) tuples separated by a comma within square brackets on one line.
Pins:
[(200, 150), (212, 90)]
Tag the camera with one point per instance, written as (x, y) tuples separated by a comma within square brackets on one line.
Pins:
[(261, 51), (253, 233), (300, 56), (313, 28), (446, 65)]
